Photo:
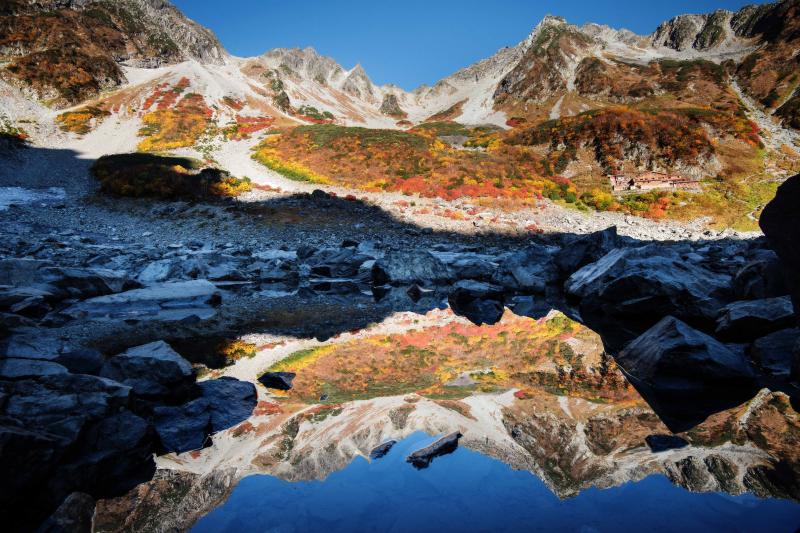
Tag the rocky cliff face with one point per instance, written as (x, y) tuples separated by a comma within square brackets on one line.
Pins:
[(69, 50)]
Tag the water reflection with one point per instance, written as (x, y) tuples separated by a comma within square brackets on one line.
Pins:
[(468, 491), (538, 396)]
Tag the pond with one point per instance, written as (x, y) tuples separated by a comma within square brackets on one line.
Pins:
[(469, 491)]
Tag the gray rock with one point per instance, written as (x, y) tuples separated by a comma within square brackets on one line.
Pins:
[(423, 457), (381, 449), (230, 401), (277, 380), (673, 356), (76, 359), (480, 302), (74, 515), (584, 250), (760, 278), (528, 270), (749, 319), (406, 267), (649, 281), (153, 370), (162, 302), (28, 368), (183, 428), (774, 353)]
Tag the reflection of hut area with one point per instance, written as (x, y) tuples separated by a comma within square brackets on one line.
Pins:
[(649, 181)]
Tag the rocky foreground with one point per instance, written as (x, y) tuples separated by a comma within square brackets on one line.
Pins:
[(89, 389)]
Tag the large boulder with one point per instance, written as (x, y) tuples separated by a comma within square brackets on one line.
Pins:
[(749, 319), (423, 457), (584, 250), (480, 302), (277, 380), (527, 270), (12, 368), (154, 371), (183, 428), (761, 277), (774, 353), (672, 356), (780, 222), (645, 283), (76, 359), (406, 267), (223, 403), (230, 401), (163, 302)]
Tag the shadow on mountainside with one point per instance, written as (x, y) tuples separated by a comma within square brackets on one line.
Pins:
[(316, 265)]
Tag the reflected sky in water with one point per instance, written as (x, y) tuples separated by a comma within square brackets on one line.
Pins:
[(467, 491)]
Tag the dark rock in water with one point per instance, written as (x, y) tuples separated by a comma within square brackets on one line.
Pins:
[(662, 443), (154, 371), (74, 515), (760, 278), (414, 292), (183, 428), (11, 368), (230, 401), (480, 302), (405, 267), (584, 250), (672, 356), (76, 359), (381, 449), (527, 270), (277, 380), (423, 457), (747, 320), (646, 283), (780, 222), (774, 353)]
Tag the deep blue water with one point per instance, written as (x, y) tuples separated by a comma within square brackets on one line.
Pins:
[(466, 491)]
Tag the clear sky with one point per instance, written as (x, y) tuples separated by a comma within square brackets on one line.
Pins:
[(411, 42)]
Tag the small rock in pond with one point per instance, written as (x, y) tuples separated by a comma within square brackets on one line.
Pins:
[(381, 449), (662, 443), (277, 380), (423, 457)]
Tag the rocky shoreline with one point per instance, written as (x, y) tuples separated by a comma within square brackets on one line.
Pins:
[(85, 316)]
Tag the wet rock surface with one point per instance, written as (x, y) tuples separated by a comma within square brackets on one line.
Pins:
[(423, 457)]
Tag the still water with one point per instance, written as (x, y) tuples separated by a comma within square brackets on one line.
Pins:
[(467, 491)]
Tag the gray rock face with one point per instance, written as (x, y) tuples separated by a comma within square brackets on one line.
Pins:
[(152, 370), (391, 107), (419, 266), (673, 356), (774, 353), (750, 319), (650, 281), (164, 302)]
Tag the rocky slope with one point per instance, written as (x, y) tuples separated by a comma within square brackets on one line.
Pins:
[(66, 52)]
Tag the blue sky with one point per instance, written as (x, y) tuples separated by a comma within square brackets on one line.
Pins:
[(410, 42)]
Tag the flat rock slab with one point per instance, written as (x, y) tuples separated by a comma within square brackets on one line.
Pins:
[(163, 302), (423, 457), (153, 370)]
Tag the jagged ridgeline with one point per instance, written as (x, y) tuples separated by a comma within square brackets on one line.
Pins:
[(710, 101)]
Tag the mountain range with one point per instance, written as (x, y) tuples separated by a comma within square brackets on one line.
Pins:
[(709, 97)]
